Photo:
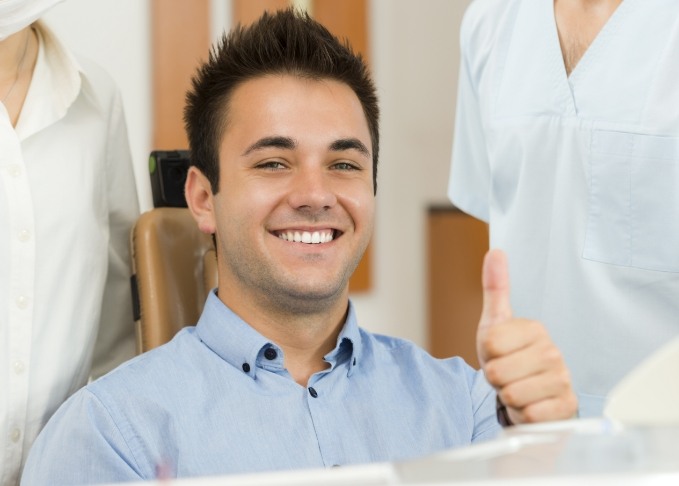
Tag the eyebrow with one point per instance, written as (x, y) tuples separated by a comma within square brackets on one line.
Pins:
[(288, 143), (271, 142), (349, 144)]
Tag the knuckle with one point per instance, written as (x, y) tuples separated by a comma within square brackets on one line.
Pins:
[(564, 378), (489, 342), (492, 373), (508, 396), (531, 414), (553, 354)]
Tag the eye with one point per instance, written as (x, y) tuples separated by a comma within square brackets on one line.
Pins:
[(271, 165), (345, 166)]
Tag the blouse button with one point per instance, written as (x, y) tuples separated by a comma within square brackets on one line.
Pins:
[(18, 367), (15, 170), (24, 235), (22, 302)]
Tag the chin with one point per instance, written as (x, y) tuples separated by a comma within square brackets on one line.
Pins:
[(311, 299)]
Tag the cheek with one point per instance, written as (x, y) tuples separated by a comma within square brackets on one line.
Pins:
[(361, 206), (245, 204)]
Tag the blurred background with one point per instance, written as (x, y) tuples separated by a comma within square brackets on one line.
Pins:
[(421, 279)]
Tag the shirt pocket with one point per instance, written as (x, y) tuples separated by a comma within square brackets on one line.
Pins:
[(633, 215)]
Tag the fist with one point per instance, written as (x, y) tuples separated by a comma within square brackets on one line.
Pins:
[(517, 355)]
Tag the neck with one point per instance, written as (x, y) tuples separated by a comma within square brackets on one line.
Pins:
[(12, 50), (304, 337), (18, 54), (578, 23)]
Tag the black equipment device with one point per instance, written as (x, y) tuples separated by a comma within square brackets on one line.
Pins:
[(168, 169)]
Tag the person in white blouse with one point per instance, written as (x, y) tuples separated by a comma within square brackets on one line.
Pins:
[(67, 202), (567, 144)]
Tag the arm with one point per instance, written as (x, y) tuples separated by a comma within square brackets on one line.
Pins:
[(81, 444), (469, 182), (116, 340), (518, 357)]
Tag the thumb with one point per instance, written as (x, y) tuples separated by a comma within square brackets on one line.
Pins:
[(495, 281)]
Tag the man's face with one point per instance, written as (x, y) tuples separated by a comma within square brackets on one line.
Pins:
[(295, 207)]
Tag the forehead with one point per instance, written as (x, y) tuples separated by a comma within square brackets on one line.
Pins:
[(302, 108)]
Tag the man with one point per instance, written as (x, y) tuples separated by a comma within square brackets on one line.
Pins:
[(283, 127), (67, 203), (567, 145)]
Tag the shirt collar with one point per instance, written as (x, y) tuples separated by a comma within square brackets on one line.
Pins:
[(237, 343), (55, 84)]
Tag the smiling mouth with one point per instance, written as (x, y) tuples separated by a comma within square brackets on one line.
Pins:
[(309, 237)]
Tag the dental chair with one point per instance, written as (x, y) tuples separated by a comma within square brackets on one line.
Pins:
[(174, 267)]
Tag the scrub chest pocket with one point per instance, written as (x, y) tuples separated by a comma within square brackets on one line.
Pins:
[(633, 217)]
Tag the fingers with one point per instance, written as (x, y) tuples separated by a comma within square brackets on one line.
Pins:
[(511, 337), (529, 372), (518, 357), (496, 302), (522, 394), (557, 408), (495, 281), (533, 358)]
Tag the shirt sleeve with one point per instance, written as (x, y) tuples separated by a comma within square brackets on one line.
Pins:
[(469, 183), (116, 339), (81, 444), (486, 425)]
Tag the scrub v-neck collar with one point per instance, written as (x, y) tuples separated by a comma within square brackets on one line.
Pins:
[(599, 43), (531, 79)]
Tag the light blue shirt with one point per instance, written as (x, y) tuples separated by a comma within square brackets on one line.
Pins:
[(218, 400)]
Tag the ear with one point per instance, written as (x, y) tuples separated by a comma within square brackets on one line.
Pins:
[(200, 200)]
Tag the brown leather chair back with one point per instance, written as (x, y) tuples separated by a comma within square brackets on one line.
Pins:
[(174, 267)]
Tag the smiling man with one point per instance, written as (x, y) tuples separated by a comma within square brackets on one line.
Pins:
[(277, 374)]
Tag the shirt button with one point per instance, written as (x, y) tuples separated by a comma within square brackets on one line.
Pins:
[(15, 435), (246, 367), (18, 367), (270, 354), (22, 302), (15, 170), (313, 392), (24, 235)]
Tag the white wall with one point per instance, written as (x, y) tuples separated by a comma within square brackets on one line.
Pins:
[(415, 58)]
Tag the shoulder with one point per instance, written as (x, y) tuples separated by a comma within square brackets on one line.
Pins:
[(71, 71), (96, 75), (152, 373), (484, 21), (97, 85), (488, 15), (403, 353)]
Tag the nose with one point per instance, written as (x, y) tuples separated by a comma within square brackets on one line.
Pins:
[(312, 190)]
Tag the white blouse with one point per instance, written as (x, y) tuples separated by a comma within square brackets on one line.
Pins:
[(67, 202)]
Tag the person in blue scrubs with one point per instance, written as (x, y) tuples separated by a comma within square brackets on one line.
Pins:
[(567, 144), (277, 374)]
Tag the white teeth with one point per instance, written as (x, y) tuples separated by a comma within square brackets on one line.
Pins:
[(307, 236)]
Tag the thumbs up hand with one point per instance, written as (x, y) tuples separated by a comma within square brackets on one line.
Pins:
[(517, 355)]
